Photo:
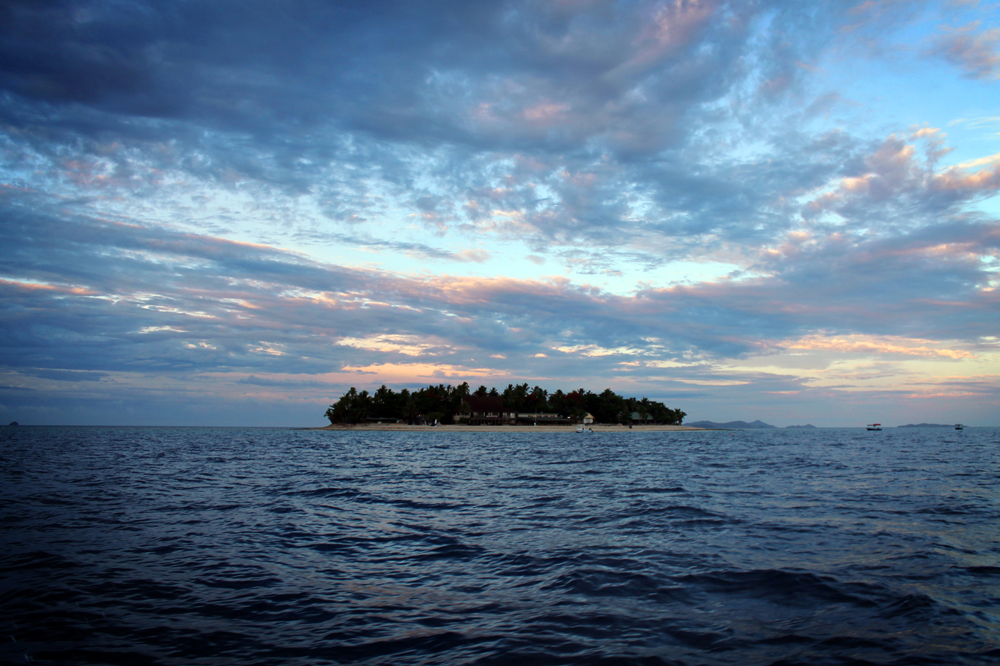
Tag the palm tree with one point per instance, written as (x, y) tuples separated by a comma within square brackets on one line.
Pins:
[(643, 409)]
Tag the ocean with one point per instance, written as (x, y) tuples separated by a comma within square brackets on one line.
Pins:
[(279, 546)]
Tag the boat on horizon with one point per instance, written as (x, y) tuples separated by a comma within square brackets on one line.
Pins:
[(874, 426), (959, 426)]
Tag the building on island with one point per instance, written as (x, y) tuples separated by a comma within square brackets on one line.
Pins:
[(543, 418), (487, 410), (637, 419)]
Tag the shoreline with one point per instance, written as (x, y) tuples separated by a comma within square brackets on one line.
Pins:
[(405, 427)]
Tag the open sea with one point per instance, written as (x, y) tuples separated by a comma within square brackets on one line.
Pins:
[(278, 546)]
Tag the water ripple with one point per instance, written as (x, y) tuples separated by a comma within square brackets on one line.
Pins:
[(215, 546)]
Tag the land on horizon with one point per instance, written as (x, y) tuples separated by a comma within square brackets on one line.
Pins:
[(406, 427)]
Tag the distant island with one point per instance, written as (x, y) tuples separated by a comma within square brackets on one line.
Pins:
[(731, 425), (516, 405), (741, 425), (927, 425)]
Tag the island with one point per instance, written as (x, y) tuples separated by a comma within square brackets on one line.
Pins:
[(518, 406), (732, 425)]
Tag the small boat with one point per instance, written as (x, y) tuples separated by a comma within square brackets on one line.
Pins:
[(582, 429), (959, 426), (874, 426)]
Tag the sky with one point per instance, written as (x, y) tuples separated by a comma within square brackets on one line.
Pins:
[(228, 213)]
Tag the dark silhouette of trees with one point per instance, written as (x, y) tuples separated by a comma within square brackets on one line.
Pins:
[(445, 404), (353, 407), (514, 397)]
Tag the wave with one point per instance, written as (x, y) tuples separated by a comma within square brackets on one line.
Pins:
[(197, 546)]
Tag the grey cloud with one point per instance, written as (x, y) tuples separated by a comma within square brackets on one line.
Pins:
[(66, 376), (294, 76), (590, 132), (153, 292), (253, 380), (875, 286), (320, 100), (246, 309), (976, 52)]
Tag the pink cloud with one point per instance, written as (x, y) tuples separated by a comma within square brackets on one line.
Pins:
[(891, 345), (472, 255), (410, 373), (53, 288), (675, 24), (895, 170), (546, 113), (957, 179), (977, 54)]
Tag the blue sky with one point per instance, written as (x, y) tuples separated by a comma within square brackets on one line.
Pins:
[(228, 213)]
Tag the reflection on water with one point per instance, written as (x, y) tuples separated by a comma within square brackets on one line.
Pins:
[(181, 546)]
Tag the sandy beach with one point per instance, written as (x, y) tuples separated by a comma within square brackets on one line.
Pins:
[(507, 428)]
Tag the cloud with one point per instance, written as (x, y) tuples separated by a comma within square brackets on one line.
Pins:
[(974, 51), (328, 111), (194, 88), (407, 345), (263, 204), (893, 181), (253, 380), (878, 345), (68, 376), (209, 304), (469, 255), (416, 374)]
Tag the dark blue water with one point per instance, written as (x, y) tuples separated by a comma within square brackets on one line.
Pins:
[(218, 546)]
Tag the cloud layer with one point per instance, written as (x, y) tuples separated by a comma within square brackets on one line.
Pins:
[(251, 208)]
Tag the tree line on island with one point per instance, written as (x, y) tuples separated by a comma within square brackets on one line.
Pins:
[(457, 404)]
